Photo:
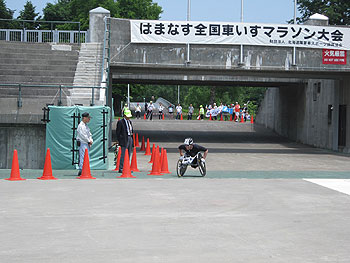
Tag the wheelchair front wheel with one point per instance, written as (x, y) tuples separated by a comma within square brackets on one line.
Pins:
[(180, 168), (202, 168)]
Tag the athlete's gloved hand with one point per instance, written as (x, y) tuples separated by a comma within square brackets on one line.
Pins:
[(203, 160)]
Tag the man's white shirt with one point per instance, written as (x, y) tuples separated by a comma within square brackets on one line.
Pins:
[(83, 133)]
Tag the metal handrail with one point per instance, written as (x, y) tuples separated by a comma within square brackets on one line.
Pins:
[(60, 87), (49, 22), (41, 21), (49, 86)]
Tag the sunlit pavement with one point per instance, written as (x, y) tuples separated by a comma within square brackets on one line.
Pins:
[(264, 199)]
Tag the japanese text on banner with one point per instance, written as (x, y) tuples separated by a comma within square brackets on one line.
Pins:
[(183, 32)]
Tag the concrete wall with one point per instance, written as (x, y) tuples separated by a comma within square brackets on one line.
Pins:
[(28, 139), (344, 99), (301, 113)]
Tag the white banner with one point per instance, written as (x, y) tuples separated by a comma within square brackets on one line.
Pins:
[(191, 32)]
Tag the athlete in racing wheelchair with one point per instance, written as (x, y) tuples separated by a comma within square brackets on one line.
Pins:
[(192, 156)]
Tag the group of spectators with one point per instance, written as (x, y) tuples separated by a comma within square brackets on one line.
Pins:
[(215, 112), (225, 111)]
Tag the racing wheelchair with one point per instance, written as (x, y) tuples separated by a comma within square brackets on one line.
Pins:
[(186, 160)]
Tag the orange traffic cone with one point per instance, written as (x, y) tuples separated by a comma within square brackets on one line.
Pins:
[(230, 117), (221, 119), (86, 173), (210, 117), (161, 157), (242, 120), (156, 164), (137, 140), (15, 175), (144, 116), (118, 159), (152, 156), (47, 173), (133, 166), (181, 117), (165, 168), (156, 152), (163, 117), (251, 119), (148, 148), (143, 148), (133, 139), (126, 167)]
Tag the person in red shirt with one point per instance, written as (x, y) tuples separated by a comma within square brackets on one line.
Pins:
[(237, 109)]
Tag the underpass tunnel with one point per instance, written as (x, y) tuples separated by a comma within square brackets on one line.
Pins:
[(208, 133)]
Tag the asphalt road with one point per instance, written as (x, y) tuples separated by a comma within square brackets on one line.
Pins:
[(241, 147), (234, 214)]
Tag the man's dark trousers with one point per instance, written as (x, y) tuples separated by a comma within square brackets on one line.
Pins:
[(129, 146)]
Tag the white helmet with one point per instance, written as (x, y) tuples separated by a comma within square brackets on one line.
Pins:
[(188, 141)]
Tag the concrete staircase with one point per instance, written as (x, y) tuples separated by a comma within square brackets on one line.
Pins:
[(37, 63), (34, 64), (88, 74)]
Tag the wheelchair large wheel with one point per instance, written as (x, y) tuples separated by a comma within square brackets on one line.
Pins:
[(202, 168), (180, 169)]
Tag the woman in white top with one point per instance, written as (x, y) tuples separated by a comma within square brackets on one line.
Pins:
[(138, 111)]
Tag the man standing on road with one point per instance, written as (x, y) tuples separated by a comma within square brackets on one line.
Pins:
[(178, 112), (171, 111), (201, 112), (190, 112), (124, 136), (150, 110), (160, 111), (84, 139)]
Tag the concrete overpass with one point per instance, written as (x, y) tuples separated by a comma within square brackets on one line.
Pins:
[(307, 100)]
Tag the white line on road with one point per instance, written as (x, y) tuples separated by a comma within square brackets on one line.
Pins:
[(340, 185)]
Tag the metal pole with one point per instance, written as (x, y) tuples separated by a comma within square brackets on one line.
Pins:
[(178, 94), (188, 19), (188, 9), (60, 98), (241, 46), (79, 34), (295, 11), (93, 96), (295, 21), (129, 96), (19, 102)]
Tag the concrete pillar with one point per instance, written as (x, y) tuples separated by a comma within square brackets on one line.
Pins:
[(335, 117), (317, 20), (97, 24)]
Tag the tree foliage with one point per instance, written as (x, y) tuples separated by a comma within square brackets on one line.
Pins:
[(5, 13), (28, 13), (195, 95), (338, 11), (138, 9), (78, 10), (57, 12)]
